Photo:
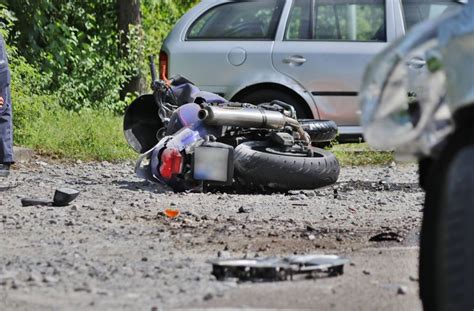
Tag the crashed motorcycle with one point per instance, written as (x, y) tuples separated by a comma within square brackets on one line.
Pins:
[(193, 140), (425, 110)]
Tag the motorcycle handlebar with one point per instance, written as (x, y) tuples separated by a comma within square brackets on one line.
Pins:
[(153, 68)]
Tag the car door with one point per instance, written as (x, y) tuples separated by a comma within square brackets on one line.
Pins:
[(225, 43), (326, 47)]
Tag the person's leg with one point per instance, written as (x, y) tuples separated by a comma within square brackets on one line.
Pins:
[(6, 136)]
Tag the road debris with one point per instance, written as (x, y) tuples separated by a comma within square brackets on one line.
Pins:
[(62, 197), (172, 213), (402, 290), (274, 269), (244, 210), (387, 236)]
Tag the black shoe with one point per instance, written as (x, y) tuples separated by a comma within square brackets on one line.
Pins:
[(4, 170)]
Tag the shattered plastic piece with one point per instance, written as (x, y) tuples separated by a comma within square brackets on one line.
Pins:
[(386, 236), (172, 213), (274, 269), (62, 197)]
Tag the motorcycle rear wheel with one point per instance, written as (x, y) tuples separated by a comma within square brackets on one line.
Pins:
[(261, 165), (320, 131), (447, 239)]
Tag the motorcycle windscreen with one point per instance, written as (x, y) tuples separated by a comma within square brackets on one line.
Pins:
[(213, 163), (142, 123)]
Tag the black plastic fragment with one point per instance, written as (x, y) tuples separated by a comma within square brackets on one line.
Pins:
[(386, 236), (274, 269), (62, 197)]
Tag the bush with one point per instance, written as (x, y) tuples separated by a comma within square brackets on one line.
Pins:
[(159, 17), (76, 44), (67, 79)]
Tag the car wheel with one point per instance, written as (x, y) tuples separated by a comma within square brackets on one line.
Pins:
[(424, 171), (268, 95), (447, 239)]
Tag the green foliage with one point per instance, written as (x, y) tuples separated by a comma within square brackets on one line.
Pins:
[(75, 43), (28, 84), (159, 17), (67, 71), (40, 122)]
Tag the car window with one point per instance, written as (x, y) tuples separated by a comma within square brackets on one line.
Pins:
[(416, 11), (337, 20), (299, 25), (239, 20)]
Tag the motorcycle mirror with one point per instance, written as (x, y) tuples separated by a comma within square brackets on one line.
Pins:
[(152, 68)]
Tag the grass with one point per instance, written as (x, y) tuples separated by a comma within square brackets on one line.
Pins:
[(361, 154), (89, 135)]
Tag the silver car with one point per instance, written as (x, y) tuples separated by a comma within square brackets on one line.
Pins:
[(310, 53)]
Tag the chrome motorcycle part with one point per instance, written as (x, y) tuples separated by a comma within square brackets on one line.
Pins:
[(250, 118), (243, 117)]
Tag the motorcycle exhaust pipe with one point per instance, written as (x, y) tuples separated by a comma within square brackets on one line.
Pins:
[(242, 117), (249, 118)]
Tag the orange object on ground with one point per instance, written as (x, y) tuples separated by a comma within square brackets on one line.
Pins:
[(172, 213)]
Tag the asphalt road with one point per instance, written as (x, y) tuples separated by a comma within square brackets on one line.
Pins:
[(114, 248)]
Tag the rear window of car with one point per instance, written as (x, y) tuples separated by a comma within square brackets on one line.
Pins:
[(337, 20), (417, 11), (249, 20)]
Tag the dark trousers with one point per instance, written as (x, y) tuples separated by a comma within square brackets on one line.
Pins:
[(6, 128)]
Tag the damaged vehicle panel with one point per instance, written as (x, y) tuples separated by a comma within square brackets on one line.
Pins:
[(433, 123), (192, 140)]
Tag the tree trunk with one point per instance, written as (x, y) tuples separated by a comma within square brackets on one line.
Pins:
[(128, 13)]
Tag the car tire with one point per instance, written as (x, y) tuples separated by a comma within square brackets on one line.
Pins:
[(320, 131), (447, 238), (424, 171), (257, 167), (268, 95)]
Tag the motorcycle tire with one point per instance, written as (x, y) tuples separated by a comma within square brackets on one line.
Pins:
[(260, 165), (320, 131), (447, 238)]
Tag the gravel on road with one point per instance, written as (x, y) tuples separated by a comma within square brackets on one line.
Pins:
[(113, 248)]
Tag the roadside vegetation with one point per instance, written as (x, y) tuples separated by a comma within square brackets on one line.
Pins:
[(71, 64), (71, 70), (361, 154)]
